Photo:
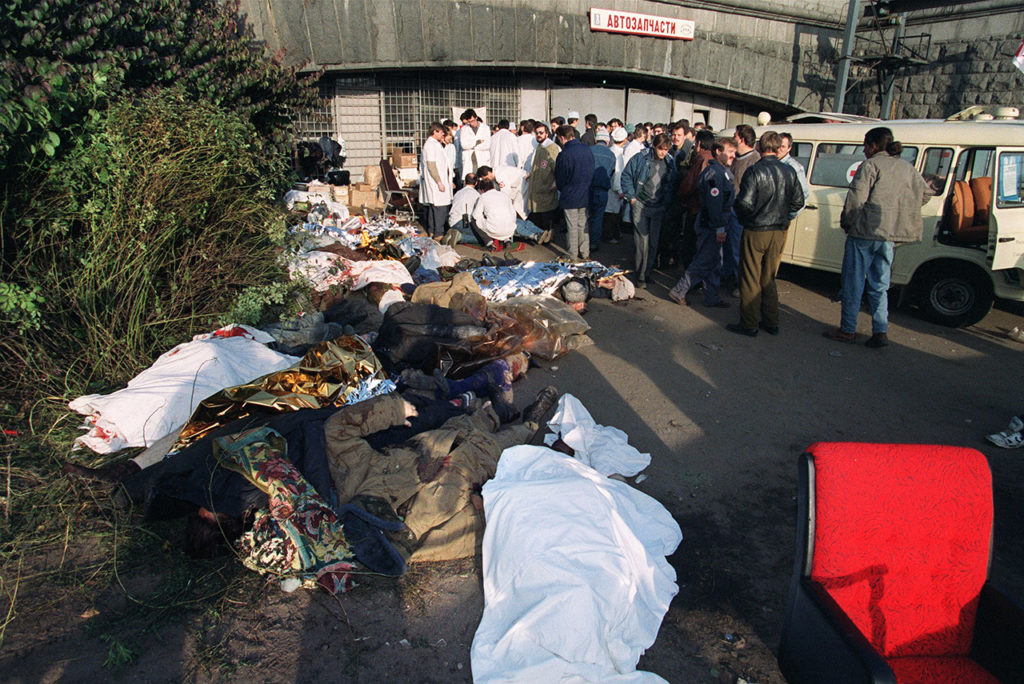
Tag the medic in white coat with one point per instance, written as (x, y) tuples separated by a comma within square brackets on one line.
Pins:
[(475, 140)]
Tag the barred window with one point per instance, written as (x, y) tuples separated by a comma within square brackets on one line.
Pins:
[(411, 102)]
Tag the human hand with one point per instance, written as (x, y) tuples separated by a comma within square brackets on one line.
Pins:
[(410, 412), (720, 236)]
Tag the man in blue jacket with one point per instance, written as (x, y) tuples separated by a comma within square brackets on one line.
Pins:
[(574, 169), (647, 184), (716, 191)]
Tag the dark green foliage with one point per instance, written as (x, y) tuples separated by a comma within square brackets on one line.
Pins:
[(143, 235), (62, 57)]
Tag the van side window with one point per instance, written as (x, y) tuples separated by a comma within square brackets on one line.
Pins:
[(835, 164), (1010, 189), (937, 163)]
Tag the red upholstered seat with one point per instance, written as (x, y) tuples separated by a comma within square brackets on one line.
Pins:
[(901, 543), (890, 576)]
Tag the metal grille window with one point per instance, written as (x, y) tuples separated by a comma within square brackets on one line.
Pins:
[(411, 102), (310, 124)]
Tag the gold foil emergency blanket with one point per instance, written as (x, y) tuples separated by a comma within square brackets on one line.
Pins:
[(326, 376)]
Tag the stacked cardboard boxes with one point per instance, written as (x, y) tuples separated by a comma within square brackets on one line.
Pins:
[(406, 167)]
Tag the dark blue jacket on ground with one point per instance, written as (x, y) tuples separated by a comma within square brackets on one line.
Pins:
[(574, 169)]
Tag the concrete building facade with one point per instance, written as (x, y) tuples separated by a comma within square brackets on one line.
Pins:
[(389, 67)]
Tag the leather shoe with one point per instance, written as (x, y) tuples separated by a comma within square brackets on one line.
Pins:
[(740, 330), (770, 329), (677, 298), (837, 335), (877, 341)]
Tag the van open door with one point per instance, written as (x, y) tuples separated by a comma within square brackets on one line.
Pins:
[(1006, 227)]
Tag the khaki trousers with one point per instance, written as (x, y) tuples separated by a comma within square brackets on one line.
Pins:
[(760, 255)]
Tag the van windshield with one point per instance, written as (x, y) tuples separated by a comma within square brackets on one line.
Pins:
[(835, 164)]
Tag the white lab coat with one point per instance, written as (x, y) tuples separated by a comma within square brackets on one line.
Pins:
[(476, 147), (495, 216), (527, 143), (504, 148), (512, 181), (632, 147), (463, 203), (433, 151), (614, 202)]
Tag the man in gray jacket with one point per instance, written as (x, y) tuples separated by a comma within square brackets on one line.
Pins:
[(883, 208)]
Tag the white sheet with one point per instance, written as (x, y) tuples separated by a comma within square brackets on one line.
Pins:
[(575, 577), (160, 399), (605, 449)]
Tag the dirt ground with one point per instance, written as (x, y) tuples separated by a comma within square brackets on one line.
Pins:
[(724, 418)]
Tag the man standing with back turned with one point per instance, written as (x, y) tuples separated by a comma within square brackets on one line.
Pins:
[(768, 199), (883, 207)]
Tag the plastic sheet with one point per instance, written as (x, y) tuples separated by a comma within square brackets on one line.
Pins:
[(328, 375), (498, 283), (548, 327)]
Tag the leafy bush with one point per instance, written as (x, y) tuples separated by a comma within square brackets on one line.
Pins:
[(142, 235), (61, 58)]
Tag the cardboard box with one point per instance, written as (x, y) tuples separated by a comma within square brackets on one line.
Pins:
[(401, 160), (341, 193), (406, 176), (363, 197)]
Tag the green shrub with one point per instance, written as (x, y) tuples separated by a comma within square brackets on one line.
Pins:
[(143, 235)]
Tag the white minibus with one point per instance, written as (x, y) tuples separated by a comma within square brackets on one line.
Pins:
[(973, 244)]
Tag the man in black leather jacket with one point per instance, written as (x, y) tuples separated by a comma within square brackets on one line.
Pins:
[(770, 196)]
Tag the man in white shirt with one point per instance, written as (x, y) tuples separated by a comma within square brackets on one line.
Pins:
[(527, 143), (511, 180), (612, 227), (460, 216), (475, 139), (435, 181), (504, 147), (494, 218)]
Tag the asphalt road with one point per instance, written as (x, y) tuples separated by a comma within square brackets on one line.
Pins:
[(725, 418)]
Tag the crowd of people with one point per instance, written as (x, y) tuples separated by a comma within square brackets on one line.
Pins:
[(718, 206)]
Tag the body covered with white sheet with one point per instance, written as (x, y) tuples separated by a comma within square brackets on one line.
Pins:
[(575, 577)]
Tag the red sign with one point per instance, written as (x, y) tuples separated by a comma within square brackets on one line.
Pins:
[(613, 21)]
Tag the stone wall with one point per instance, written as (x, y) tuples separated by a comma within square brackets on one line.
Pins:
[(969, 63)]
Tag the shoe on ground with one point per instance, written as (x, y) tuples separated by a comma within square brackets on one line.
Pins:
[(677, 298), (451, 238), (837, 335), (740, 330), (641, 284), (720, 304), (593, 248), (613, 241), (546, 398), (877, 341), (770, 329), (1007, 439)]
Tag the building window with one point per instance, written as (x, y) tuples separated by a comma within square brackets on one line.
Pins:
[(411, 102)]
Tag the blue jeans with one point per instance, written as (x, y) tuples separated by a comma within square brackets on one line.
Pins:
[(731, 249), (467, 235), (527, 229), (524, 229), (870, 262)]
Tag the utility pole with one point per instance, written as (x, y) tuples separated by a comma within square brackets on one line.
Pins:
[(849, 36)]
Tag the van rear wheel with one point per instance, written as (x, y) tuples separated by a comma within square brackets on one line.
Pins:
[(953, 293)]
